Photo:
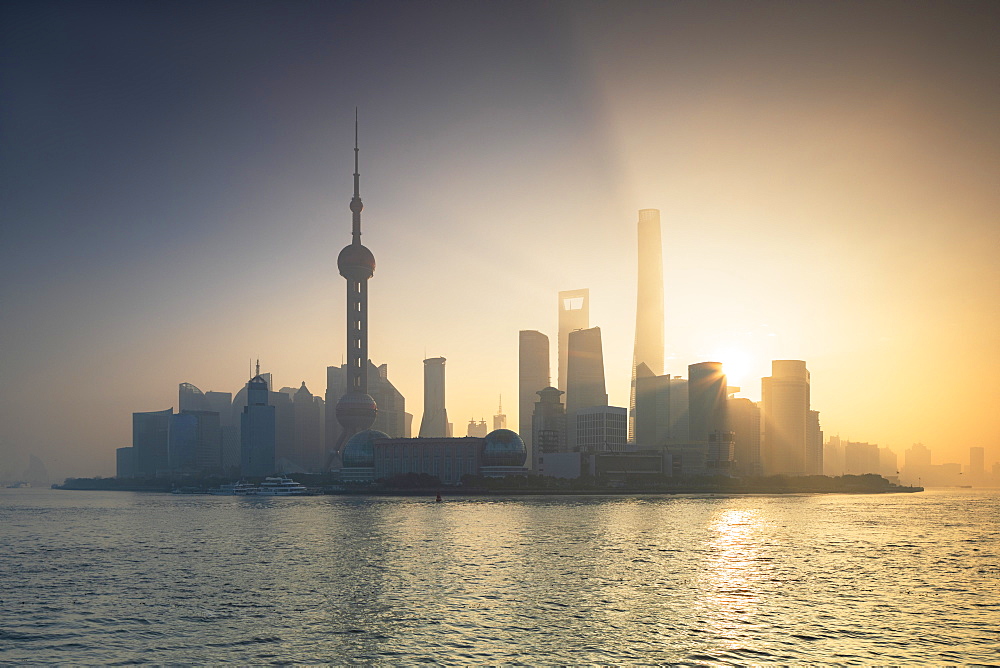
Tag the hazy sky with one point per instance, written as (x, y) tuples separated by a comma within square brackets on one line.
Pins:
[(174, 183)]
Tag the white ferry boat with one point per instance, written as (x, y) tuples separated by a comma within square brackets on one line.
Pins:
[(279, 486), (235, 489)]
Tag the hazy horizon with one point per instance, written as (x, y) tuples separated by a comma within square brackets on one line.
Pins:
[(176, 183)]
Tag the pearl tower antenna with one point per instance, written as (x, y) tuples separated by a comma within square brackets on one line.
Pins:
[(356, 205)]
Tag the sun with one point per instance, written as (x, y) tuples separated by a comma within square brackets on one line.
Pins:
[(736, 364)]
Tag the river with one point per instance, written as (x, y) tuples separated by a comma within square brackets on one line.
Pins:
[(119, 577)]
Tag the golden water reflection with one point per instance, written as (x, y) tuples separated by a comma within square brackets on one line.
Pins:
[(733, 571)]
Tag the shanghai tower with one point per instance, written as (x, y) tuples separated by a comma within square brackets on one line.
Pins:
[(356, 409), (649, 304)]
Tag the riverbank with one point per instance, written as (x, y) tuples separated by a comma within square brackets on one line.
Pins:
[(536, 486)]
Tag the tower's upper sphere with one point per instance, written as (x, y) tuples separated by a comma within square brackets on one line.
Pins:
[(504, 448), (356, 410), (356, 263), (356, 205)]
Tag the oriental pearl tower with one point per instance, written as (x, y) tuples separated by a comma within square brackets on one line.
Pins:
[(356, 409)]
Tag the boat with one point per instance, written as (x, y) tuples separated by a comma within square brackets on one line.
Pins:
[(240, 488), (281, 486)]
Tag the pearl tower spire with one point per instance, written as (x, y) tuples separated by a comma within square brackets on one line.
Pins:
[(356, 410)]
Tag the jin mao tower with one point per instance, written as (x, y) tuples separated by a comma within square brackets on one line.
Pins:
[(356, 409)]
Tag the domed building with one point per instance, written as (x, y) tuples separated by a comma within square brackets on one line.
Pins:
[(372, 455), (359, 456), (504, 454), (503, 447)]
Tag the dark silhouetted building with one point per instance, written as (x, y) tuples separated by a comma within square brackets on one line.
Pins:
[(257, 430), (125, 463), (706, 400), (661, 409), (548, 426), (371, 455), (190, 398), (532, 376), (150, 439), (743, 418), (648, 348), (307, 450)]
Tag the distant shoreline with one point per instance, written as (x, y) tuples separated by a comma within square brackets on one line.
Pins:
[(728, 487)]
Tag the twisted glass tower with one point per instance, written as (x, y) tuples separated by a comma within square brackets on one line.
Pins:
[(649, 304)]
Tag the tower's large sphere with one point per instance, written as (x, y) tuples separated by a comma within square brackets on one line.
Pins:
[(356, 410), (360, 449), (356, 263), (504, 448)]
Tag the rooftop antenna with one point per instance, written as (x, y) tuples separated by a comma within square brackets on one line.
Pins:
[(500, 408), (258, 366)]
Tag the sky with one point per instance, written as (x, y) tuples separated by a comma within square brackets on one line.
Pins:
[(175, 180)]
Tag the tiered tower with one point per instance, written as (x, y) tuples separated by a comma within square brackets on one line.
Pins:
[(356, 409)]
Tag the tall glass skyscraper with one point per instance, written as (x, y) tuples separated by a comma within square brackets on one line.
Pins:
[(648, 348), (532, 376)]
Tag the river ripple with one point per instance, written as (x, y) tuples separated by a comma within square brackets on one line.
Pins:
[(116, 577)]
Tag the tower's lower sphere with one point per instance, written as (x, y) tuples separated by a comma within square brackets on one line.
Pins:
[(356, 411), (360, 449)]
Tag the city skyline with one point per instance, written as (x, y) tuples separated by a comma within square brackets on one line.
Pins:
[(846, 220)]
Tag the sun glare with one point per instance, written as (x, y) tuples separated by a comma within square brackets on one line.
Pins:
[(736, 365)]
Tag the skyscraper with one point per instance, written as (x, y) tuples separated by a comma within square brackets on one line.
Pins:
[(648, 348), (477, 429), (548, 425), (661, 409), (190, 398), (601, 429), (307, 439), (585, 386), (743, 419), (814, 444), (434, 423), (257, 430), (574, 313), (356, 410), (532, 376), (149, 439), (785, 418), (500, 419), (706, 400)]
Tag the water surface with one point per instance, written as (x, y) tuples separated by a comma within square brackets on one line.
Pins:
[(117, 577)]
